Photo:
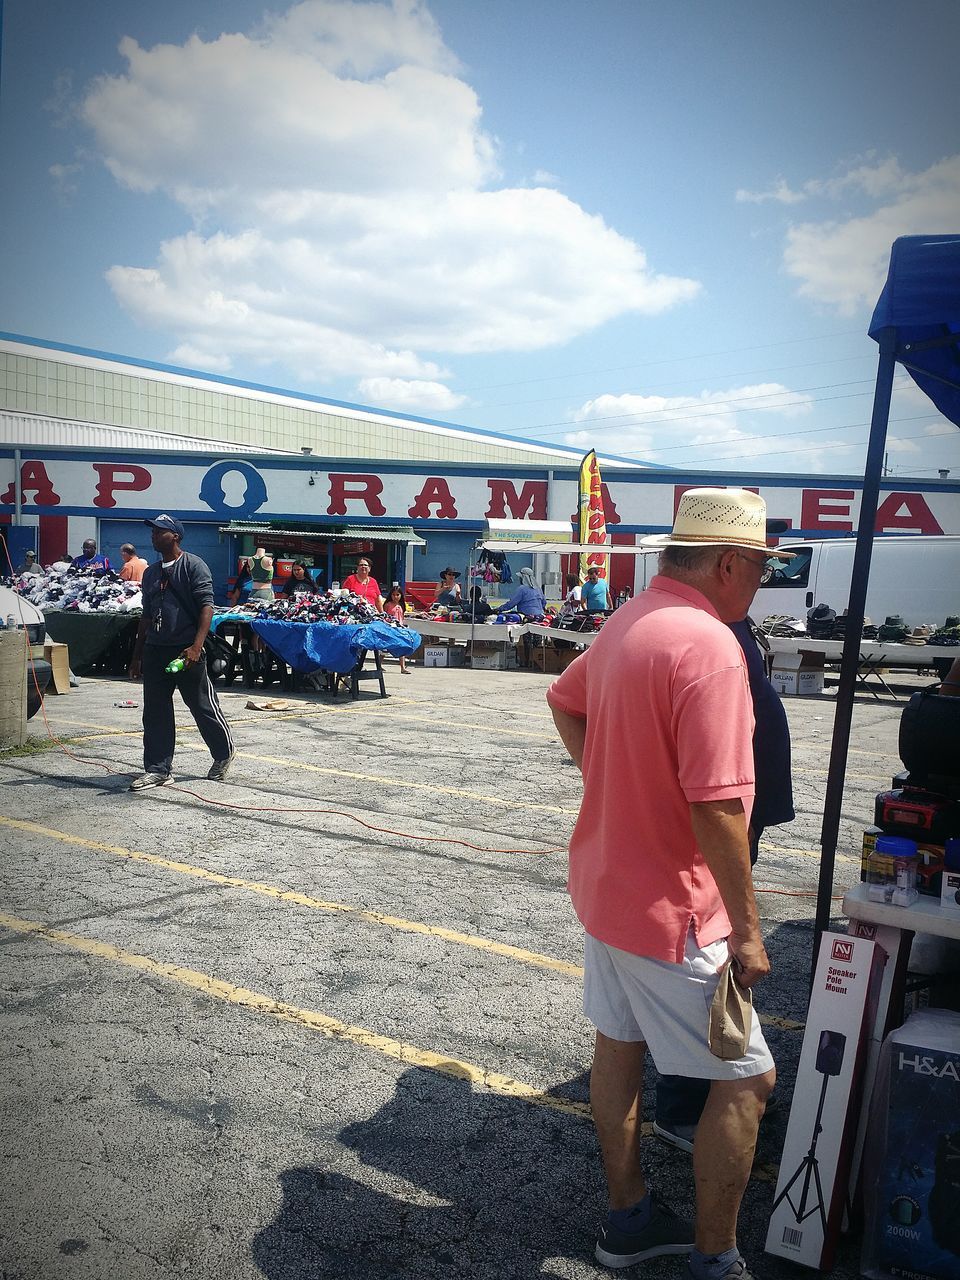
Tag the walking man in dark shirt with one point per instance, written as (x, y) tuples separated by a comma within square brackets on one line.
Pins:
[(177, 611)]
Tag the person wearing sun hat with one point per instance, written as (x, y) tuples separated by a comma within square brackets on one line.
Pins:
[(657, 714)]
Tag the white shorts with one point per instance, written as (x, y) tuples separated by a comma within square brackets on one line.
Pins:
[(667, 1005)]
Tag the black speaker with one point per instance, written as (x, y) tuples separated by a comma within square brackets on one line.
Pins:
[(830, 1052), (930, 736)]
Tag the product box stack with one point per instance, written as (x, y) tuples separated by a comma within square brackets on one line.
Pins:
[(797, 675)]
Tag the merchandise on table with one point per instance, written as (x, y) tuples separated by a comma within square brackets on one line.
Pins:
[(340, 607), (78, 590)]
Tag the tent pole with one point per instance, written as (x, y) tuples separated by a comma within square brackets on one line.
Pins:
[(833, 800)]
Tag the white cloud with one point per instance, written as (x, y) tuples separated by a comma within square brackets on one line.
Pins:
[(780, 192), (347, 218), (202, 358), (409, 393), (666, 428), (842, 262)]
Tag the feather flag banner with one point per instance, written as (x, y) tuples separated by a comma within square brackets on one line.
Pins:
[(593, 521)]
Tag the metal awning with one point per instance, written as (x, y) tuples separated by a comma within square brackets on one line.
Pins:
[(334, 532)]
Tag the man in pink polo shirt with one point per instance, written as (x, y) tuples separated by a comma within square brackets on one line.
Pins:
[(658, 716)]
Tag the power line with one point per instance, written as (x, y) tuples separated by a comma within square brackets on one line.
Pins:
[(746, 373), (648, 364), (697, 411), (772, 435), (737, 457)]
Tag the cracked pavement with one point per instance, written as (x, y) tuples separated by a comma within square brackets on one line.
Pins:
[(156, 1124)]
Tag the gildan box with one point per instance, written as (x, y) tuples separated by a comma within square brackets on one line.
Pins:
[(797, 675), (912, 1196), (443, 655), (493, 658), (814, 1168), (436, 655)]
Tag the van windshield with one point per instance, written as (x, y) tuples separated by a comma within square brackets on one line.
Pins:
[(790, 573)]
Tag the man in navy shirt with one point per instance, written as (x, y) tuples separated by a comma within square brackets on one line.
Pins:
[(90, 559), (177, 612)]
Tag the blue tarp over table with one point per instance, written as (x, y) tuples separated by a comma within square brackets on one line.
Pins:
[(316, 646)]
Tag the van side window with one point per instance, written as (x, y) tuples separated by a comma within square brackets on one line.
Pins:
[(792, 573)]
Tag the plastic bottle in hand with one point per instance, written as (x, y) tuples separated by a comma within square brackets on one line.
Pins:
[(176, 666)]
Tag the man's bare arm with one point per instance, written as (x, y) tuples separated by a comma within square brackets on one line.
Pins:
[(572, 731), (720, 828)]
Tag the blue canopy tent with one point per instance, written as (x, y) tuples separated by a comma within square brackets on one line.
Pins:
[(916, 323)]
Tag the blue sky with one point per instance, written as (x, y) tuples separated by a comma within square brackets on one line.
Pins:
[(657, 229)]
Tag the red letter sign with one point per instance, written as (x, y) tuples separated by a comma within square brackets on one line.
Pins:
[(825, 509), (368, 492), (906, 513), (136, 479), (530, 501), (33, 477), (435, 492)]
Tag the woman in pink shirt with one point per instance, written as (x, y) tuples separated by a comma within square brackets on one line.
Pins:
[(361, 584)]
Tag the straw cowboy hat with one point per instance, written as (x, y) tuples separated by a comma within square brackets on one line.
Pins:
[(721, 517)]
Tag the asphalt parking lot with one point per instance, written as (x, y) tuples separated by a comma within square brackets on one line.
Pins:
[(323, 1020)]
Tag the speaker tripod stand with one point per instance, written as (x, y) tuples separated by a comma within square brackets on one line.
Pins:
[(809, 1171)]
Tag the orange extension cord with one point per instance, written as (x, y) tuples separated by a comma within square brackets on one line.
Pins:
[(340, 813)]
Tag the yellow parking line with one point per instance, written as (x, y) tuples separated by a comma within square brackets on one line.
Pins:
[(410, 1055), (403, 783), (299, 899), (520, 954)]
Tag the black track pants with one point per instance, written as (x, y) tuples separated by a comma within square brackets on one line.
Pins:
[(197, 691)]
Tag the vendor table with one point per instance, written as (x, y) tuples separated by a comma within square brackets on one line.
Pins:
[(561, 633), (874, 654), (483, 632), (102, 640), (893, 928), (338, 650)]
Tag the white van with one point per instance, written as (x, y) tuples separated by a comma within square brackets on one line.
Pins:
[(917, 577)]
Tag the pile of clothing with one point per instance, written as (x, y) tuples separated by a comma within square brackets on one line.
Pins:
[(342, 608), (78, 590)]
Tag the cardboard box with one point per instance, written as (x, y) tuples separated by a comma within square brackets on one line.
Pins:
[(818, 1149), (499, 657), (797, 675), (442, 655), (58, 656)]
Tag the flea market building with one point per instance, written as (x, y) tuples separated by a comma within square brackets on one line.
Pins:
[(92, 443)]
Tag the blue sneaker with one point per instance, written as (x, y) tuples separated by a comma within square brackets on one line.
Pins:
[(666, 1232)]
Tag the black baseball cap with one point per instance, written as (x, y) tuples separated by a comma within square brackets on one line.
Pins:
[(171, 523), (776, 527)]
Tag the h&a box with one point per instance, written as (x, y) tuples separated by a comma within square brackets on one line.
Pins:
[(912, 1183), (814, 1168)]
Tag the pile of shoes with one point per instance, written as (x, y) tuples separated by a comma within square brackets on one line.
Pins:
[(338, 607), (78, 590)]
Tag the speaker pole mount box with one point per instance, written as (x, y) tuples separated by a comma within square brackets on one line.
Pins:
[(812, 1184)]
